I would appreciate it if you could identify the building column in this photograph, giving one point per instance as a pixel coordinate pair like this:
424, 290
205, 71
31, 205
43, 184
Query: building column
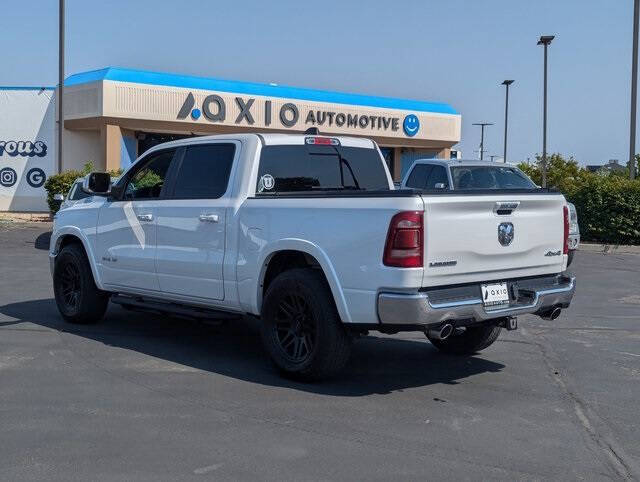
111, 137
445, 153
397, 163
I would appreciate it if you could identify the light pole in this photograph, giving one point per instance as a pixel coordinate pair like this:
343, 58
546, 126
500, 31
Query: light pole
506, 83
546, 41
634, 92
482, 125
60, 81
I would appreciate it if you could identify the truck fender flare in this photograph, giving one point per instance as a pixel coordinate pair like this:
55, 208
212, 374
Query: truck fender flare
77, 233
304, 246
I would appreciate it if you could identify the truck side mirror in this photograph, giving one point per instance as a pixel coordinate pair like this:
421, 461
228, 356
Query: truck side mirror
97, 183
58, 197
440, 185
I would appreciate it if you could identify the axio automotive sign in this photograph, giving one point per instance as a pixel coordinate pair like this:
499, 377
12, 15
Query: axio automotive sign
203, 110
291, 115
27, 136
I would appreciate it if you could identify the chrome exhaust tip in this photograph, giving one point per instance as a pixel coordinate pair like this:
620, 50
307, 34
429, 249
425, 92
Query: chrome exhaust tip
441, 333
551, 314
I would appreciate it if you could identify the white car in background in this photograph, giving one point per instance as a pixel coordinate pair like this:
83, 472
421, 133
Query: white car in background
75, 194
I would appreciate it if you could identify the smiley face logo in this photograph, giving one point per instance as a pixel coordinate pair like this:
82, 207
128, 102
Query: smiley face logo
411, 125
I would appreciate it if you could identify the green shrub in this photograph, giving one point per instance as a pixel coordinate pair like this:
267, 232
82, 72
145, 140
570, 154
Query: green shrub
608, 205
62, 183
608, 209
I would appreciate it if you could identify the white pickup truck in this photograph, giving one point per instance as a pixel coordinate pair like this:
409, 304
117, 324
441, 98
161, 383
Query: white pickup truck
308, 233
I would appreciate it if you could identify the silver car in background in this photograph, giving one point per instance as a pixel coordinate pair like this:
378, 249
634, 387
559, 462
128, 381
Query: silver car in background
461, 174
574, 232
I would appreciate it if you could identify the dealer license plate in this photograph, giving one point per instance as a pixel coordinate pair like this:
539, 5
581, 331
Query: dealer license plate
495, 294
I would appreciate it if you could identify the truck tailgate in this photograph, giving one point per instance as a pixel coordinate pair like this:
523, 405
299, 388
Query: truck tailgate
462, 242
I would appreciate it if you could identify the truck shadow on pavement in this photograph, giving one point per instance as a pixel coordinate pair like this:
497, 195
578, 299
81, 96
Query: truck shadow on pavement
42, 241
378, 365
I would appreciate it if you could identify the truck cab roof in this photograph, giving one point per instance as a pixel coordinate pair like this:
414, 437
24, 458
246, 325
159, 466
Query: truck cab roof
267, 140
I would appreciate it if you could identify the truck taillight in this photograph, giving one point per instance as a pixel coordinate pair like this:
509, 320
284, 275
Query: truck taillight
565, 248
405, 241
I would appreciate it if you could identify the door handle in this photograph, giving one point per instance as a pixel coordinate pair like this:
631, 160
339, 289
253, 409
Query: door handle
209, 218
145, 217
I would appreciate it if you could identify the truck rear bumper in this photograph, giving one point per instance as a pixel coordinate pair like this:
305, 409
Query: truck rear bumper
464, 303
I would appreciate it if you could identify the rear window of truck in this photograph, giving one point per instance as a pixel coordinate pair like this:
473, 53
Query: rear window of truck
489, 177
296, 168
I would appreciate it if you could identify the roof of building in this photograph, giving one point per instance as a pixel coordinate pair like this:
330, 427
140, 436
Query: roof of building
20, 87
252, 88
612, 165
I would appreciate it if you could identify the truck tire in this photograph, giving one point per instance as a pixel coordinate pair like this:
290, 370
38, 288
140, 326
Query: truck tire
77, 297
301, 329
471, 341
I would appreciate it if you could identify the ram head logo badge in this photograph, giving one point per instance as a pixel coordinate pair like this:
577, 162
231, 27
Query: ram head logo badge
505, 233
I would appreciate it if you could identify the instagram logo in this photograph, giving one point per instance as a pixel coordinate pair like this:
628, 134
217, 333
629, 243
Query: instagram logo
8, 177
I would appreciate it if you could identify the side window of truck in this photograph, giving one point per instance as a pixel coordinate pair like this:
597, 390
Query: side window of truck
418, 177
147, 182
204, 171
438, 176
307, 168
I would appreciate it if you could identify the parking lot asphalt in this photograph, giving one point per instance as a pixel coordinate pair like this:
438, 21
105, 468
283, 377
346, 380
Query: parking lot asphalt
146, 397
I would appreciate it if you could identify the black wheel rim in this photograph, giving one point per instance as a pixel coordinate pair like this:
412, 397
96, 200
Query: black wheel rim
295, 329
70, 285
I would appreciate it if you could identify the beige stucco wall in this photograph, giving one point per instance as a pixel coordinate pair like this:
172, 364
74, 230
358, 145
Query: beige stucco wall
111, 139
83, 101
81, 147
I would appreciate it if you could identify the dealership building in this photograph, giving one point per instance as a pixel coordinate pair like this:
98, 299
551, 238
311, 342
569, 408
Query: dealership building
113, 115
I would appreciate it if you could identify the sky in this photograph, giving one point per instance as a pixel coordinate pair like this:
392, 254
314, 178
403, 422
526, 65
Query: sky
453, 51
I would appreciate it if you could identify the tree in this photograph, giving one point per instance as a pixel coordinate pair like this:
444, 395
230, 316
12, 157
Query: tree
562, 174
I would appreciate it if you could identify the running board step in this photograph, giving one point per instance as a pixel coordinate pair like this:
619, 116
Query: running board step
158, 306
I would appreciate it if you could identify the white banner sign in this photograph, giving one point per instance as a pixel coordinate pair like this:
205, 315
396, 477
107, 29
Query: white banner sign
27, 147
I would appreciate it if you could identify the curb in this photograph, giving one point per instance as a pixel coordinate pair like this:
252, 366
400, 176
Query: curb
609, 248
13, 217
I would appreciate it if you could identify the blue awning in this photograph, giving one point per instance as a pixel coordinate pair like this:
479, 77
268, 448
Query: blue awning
252, 88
